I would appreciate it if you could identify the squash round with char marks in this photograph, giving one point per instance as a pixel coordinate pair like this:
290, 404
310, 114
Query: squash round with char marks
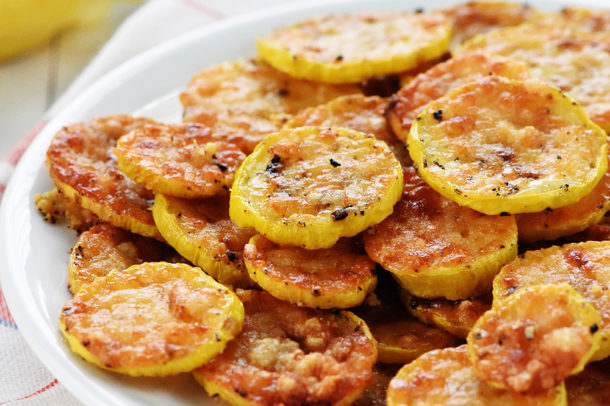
447, 377
584, 266
183, 160
152, 319
83, 167
292, 355
310, 186
534, 339
202, 232
326, 49
247, 99
435, 248
336, 277
504, 146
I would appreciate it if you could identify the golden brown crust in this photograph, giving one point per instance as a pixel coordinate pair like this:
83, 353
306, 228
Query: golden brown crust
184, 160
454, 316
324, 48
358, 112
446, 377
202, 232
247, 99
105, 247
292, 356
428, 234
569, 50
310, 186
428, 86
151, 318
55, 206
80, 157
584, 266
500, 145
336, 277
532, 341
478, 17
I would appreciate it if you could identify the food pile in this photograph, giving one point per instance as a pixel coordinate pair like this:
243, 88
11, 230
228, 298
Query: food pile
388, 208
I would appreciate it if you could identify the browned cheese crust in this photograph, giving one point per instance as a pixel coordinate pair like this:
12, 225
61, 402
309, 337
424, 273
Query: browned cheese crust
205, 235
247, 99
569, 49
534, 343
105, 247
478, 17
55, 207
358, 112
80, 156
446, 377
292, 356
426, 231
584, 266
455, 316
184, 160
506, 145
344, 270
145, 318
409, 101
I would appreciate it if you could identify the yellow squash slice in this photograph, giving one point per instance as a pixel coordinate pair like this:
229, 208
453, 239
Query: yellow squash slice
569, 50
582, 265
533, 340
289, 355
152, 319
478, 17
55, 207
446, 377
436, 82
567, 220
357, 112
336, 277
202, 232
454, 316
83, 167
352, 48
503, 146
590, 387
247, 99
183, 160
436, 248
104, 248
310, 186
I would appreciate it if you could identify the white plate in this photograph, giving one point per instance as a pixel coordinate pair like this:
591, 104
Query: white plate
35, 254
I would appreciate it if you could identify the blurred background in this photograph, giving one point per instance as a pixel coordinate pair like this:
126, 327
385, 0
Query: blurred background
44, 45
